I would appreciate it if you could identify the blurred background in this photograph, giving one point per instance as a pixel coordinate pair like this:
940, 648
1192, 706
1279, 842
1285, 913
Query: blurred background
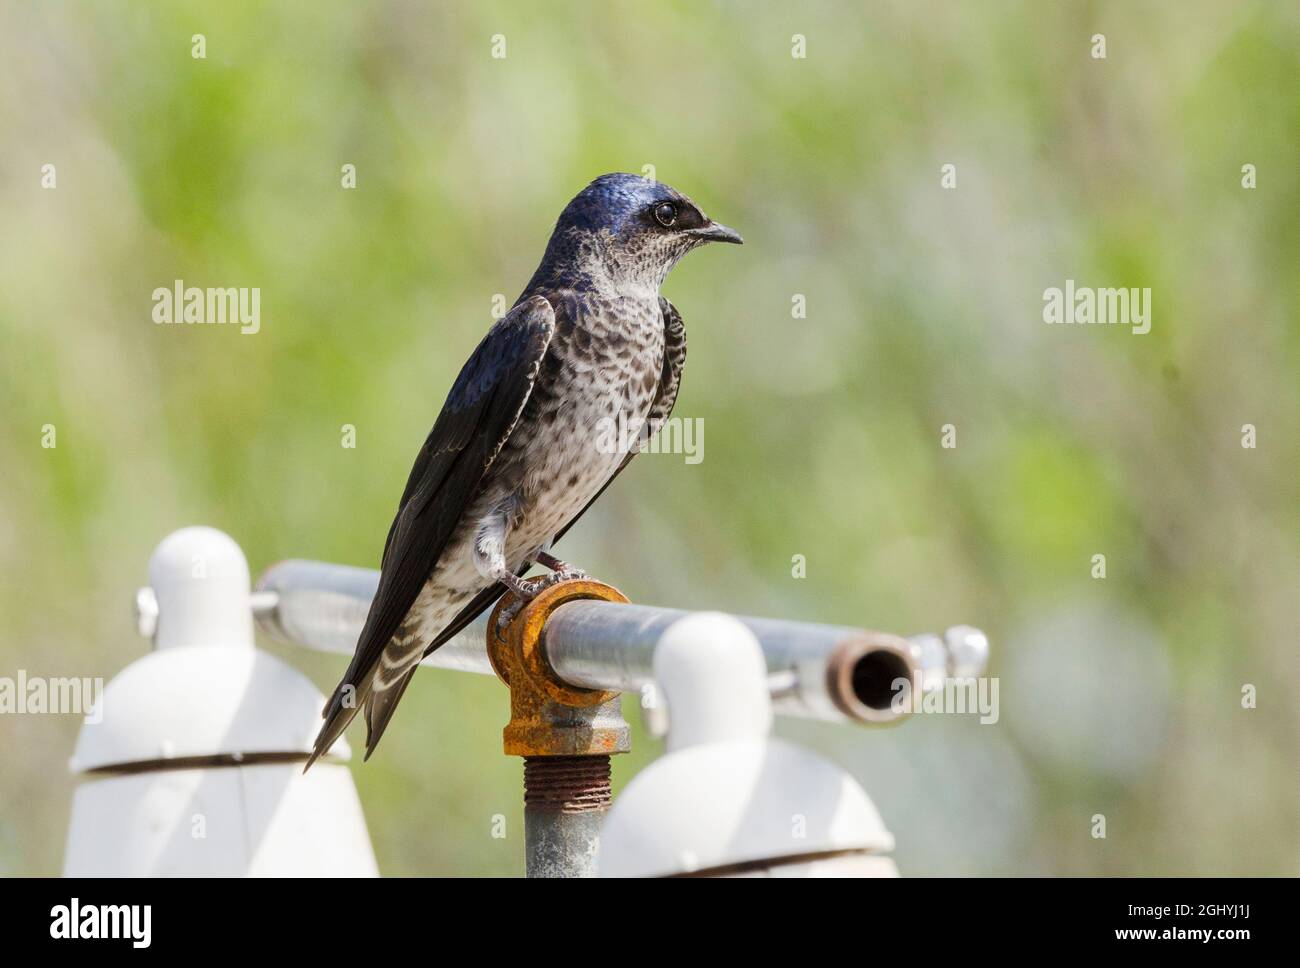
1119, 696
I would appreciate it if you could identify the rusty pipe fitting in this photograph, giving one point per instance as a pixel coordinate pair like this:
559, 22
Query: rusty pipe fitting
548, 717
565, 735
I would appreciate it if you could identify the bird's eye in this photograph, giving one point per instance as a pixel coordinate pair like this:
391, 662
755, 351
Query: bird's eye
666, 214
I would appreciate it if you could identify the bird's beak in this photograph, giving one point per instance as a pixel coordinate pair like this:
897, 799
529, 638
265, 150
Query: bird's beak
717, 232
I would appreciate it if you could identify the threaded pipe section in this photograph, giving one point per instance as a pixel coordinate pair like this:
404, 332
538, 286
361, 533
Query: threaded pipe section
567, 784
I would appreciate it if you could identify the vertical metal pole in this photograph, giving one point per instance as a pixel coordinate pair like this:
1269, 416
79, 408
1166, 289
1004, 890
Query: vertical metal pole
564, 734
565, 801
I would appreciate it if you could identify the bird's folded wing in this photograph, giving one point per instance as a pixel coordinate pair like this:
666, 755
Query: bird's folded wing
481, 410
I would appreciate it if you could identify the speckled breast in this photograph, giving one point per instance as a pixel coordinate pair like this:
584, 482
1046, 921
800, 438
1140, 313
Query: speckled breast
591, 398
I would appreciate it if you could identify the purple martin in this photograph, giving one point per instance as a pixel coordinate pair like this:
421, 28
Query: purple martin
512, 460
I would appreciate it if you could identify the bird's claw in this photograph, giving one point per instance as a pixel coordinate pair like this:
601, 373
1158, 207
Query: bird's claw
566, 574
509, 613
548, 560
530, 588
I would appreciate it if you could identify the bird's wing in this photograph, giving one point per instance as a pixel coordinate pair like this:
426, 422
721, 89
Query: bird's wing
661, 409
481, 411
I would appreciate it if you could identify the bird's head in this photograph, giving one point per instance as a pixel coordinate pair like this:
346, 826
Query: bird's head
630, 230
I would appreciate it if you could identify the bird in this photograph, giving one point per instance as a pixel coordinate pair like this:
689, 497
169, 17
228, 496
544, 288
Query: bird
515, 456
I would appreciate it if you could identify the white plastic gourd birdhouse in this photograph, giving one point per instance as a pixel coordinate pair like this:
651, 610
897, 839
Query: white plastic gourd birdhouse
191, 762
727, 799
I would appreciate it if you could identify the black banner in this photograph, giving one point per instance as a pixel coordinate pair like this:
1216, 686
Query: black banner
216, 917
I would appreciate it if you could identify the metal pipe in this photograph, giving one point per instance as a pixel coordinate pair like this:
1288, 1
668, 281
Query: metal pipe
565, 802
815, 671
820, 671
323, 606
565, 735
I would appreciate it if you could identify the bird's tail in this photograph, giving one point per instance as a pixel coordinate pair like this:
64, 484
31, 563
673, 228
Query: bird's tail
339, 712
380, 706
378, 703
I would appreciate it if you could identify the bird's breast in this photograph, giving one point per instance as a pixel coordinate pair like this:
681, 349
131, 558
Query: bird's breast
586, 411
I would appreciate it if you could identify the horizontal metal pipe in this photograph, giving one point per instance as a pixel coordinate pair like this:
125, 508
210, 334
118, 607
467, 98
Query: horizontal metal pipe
323, 606
604, 645
816, 671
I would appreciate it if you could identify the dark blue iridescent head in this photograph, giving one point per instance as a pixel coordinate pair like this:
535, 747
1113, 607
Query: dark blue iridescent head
625, 228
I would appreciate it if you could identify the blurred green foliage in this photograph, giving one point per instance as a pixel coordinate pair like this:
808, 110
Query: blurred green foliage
1120, 696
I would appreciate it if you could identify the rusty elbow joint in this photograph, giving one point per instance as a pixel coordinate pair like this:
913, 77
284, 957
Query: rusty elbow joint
549, 717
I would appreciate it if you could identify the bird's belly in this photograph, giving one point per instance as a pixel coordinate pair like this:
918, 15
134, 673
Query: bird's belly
568, 460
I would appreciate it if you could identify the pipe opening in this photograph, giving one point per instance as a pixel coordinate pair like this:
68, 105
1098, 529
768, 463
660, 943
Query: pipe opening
861, 675
874, 675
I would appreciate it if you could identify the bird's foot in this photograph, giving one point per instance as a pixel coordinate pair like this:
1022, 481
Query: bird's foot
561, 574
525, 590
523, 593
548, 560
509, 613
